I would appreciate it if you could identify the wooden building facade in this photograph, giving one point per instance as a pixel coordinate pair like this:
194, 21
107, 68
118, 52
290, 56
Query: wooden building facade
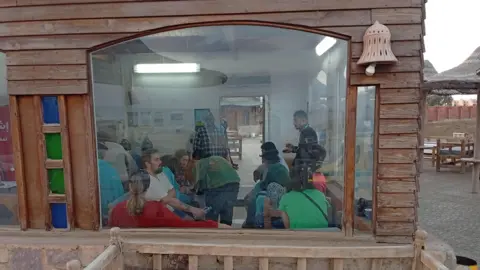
48, 43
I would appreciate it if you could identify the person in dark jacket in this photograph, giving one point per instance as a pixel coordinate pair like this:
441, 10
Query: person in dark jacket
308, 151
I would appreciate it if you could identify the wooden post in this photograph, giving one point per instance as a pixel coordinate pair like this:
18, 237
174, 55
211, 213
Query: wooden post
18, 161
74, 265
419, 244
476, 151
228, 263
115, 236
423, 121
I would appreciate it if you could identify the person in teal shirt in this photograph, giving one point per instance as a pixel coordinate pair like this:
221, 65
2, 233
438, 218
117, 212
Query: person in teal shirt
111, 187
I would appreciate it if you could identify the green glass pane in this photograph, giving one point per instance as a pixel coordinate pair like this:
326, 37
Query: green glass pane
56, 181
53, 143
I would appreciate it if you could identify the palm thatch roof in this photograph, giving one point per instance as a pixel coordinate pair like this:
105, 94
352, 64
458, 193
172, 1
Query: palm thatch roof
461, 79
428, 70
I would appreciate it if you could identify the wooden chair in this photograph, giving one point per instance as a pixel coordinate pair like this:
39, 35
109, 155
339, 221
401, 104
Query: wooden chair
452, 151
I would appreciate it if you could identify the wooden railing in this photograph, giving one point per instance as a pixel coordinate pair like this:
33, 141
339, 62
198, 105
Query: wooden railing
112, 257
431, 263
422, 259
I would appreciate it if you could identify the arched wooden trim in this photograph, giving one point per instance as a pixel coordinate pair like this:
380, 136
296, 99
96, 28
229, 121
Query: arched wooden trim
349, 170
221, 23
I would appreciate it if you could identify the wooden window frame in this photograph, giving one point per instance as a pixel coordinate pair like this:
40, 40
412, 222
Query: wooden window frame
349, 167
350, 132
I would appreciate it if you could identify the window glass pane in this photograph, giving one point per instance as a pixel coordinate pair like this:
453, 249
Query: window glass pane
53, 144
50, 110
8, 187
59, 215
364, 156
207, 98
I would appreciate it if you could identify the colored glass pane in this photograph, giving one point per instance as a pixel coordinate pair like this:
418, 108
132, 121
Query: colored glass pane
56, 181
53, 143
59, 215
50, 110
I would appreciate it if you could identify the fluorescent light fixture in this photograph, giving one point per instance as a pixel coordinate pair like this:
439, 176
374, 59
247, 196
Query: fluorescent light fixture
167, 68
325, 45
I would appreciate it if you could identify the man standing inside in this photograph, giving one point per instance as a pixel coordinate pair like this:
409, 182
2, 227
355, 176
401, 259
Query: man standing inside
308, 151
219, 182
210, 139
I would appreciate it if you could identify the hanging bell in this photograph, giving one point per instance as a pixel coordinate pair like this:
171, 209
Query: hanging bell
376, 48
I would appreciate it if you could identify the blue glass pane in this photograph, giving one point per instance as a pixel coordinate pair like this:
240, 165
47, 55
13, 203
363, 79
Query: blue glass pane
59, 215
50, 110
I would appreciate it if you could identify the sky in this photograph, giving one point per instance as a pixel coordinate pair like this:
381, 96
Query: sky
452, 33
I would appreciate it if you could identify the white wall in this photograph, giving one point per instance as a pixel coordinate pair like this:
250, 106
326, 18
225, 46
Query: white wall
283, 102
109, 102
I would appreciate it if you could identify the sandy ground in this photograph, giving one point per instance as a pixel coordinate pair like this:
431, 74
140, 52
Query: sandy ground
449, 210
448, 127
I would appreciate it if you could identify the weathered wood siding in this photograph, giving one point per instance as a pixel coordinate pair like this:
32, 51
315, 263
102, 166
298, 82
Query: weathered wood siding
46, 43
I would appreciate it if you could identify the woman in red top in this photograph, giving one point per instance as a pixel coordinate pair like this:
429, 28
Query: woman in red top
136, 212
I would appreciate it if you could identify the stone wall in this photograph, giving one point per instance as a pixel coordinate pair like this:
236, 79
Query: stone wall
45, 257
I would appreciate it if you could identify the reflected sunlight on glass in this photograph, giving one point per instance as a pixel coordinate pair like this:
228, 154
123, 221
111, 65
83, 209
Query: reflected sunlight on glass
364, 159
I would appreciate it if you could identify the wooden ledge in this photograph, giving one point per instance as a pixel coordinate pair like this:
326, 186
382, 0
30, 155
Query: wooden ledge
51, 128
57, 198
54, 163
470, 160
259, 249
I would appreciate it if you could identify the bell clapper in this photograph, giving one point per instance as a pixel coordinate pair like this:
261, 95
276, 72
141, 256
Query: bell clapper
370, 70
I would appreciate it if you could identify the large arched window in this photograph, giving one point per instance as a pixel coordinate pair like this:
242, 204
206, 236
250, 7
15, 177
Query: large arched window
217, 94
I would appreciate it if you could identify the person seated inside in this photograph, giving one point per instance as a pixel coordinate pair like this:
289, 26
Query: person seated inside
137, 152
161, 189
183, 159
270, 200
117, 156
273, 172
170, 169
219, 183
137, 212
111, 187
260, 172
302, 207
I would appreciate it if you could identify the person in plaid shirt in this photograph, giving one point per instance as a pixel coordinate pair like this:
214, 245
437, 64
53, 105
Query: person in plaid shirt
211, 140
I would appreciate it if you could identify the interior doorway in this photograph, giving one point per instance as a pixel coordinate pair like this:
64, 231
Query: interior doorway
245, 118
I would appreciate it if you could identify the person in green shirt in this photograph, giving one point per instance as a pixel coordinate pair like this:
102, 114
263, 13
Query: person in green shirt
219, 182
303, 207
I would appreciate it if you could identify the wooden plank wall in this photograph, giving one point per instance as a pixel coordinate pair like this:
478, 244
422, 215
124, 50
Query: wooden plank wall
46, 42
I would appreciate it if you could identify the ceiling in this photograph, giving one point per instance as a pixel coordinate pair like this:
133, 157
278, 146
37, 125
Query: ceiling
231, 49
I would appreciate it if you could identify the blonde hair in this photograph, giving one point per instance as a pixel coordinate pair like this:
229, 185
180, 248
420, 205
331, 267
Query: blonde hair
136, 202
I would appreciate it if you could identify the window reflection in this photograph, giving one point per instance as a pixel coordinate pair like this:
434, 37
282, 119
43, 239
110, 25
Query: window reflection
364, 159
8, 187
240, 126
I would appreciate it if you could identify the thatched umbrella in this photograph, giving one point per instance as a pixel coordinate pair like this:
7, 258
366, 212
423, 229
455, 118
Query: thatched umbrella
461, 79
428, 70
